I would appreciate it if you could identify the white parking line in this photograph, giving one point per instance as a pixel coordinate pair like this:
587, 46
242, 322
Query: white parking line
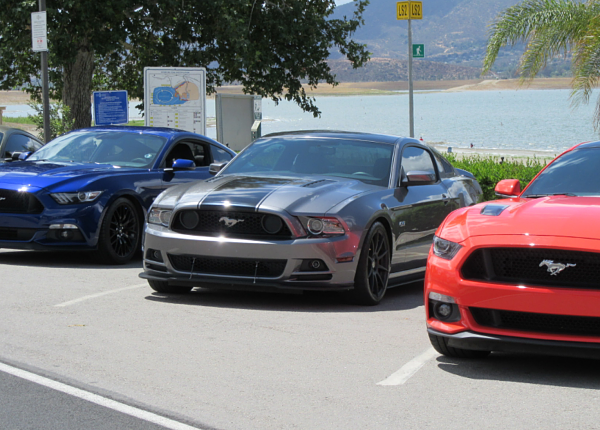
95, 398
409, 369
93, 296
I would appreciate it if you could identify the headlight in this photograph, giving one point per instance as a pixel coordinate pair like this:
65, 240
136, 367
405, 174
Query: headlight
326, 226
159, 216
79, 197
444, 248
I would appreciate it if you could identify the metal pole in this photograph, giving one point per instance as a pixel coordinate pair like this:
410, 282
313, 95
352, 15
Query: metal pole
45, 92
410, 82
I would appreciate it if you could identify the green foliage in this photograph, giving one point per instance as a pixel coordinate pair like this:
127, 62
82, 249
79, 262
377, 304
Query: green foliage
18, 120
551, 28
490, 170
270, 47
61, 120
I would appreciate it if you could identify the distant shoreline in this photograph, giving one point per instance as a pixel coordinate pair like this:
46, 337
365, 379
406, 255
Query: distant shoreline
376, 88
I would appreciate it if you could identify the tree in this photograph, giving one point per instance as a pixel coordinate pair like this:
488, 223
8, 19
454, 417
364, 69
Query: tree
268, 46
550, 28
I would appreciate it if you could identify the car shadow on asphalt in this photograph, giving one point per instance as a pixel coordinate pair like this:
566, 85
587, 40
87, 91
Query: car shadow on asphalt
405, 297
62, 259
527, 368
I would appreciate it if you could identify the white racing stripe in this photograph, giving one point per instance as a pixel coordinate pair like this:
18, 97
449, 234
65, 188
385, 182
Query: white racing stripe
409, 369
93, 296
99, 400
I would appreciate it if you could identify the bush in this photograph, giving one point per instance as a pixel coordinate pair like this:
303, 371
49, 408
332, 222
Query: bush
61, 120
490, 170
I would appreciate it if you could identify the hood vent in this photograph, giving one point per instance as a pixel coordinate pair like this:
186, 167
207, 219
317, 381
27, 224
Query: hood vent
493, 210
318, 183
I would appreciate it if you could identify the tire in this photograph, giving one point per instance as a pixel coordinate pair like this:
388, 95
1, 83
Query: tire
120, 233
440, 344
372, 273
164, 287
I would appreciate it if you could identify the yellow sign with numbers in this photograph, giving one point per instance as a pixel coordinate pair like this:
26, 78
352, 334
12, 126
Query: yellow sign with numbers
409, 10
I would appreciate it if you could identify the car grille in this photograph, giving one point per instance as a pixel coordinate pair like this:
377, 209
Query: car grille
228, 266
19, 202
231, 224
526, 266
21, 234
533, 322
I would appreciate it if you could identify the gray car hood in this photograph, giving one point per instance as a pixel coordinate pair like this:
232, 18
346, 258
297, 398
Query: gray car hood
310, 195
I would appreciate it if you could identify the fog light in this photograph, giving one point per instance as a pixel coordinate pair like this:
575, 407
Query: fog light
444, 310
157, 256
315, 264
66, 234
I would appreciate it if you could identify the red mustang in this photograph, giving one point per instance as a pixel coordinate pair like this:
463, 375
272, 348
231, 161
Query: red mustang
522, 274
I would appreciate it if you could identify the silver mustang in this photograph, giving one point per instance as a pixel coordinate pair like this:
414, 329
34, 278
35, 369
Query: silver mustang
307, 211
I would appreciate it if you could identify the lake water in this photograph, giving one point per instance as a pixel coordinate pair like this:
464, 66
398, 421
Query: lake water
522, 119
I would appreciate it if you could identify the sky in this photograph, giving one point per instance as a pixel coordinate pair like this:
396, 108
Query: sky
339, 2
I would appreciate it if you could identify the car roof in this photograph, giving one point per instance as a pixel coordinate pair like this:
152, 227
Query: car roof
6, 130
160, 131
589, 145
336, 134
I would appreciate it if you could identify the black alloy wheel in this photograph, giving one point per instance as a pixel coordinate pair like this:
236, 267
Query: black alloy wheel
371, 280
120, 233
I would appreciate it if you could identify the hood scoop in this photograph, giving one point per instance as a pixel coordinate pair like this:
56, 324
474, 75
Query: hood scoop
318, 183
493, 210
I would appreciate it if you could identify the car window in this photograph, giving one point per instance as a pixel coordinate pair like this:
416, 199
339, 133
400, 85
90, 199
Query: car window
123, 149
195, 151
365, 161
576, 172
445, 168
220, 155
416, 159
20, 143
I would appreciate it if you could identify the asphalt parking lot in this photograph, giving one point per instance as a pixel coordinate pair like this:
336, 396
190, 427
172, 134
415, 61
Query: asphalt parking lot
237, 360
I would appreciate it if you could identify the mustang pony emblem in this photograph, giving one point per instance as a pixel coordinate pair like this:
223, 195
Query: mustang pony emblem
555, 268
230, 222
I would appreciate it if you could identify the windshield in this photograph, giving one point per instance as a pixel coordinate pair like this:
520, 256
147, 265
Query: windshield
575, 173
118, 148
368, 162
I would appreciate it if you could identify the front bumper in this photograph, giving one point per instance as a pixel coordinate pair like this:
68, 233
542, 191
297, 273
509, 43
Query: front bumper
488, 342
336, 275
444, 277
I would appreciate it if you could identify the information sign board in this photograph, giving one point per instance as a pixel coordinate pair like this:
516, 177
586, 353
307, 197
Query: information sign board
111, 107
39, 34
409, 10
418, 50
175, 97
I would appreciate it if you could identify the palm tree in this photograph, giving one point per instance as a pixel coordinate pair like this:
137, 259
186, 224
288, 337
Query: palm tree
550, 28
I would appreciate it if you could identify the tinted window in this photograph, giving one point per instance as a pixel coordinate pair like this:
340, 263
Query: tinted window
416, 159
444, 166
220, 155
576, 172
103, 147
20, 143
368, 162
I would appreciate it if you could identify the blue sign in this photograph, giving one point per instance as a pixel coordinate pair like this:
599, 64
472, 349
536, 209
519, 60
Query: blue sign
111, 107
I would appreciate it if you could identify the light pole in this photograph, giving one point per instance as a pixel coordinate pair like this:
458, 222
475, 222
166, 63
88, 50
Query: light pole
45, 92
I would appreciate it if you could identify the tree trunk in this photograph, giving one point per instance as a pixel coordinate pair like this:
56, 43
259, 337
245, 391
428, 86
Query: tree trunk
77, 91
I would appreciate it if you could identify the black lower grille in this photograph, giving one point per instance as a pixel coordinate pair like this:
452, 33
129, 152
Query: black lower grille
534, 266
12, 201
534, 322
228, 266
21, 234
230, 224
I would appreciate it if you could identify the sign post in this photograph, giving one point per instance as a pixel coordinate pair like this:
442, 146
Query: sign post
39, 40
409, 10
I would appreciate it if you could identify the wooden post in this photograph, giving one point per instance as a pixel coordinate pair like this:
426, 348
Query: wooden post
1, 109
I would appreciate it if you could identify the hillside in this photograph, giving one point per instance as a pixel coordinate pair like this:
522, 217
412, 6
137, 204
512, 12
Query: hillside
452, 30
390, 69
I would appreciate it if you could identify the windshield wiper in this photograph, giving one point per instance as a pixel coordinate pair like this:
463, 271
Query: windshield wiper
537, 196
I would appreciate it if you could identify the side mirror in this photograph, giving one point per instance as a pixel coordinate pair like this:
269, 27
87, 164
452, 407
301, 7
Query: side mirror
216, 167
21, 156
508, 188
419, 177
182, 164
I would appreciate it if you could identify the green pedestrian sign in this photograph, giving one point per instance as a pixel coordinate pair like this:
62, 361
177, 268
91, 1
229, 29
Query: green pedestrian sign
418, 50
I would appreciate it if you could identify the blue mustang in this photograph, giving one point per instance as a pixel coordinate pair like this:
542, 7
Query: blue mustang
90, 189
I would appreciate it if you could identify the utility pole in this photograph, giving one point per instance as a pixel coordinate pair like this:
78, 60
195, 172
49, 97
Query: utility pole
45, 91
409, 10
